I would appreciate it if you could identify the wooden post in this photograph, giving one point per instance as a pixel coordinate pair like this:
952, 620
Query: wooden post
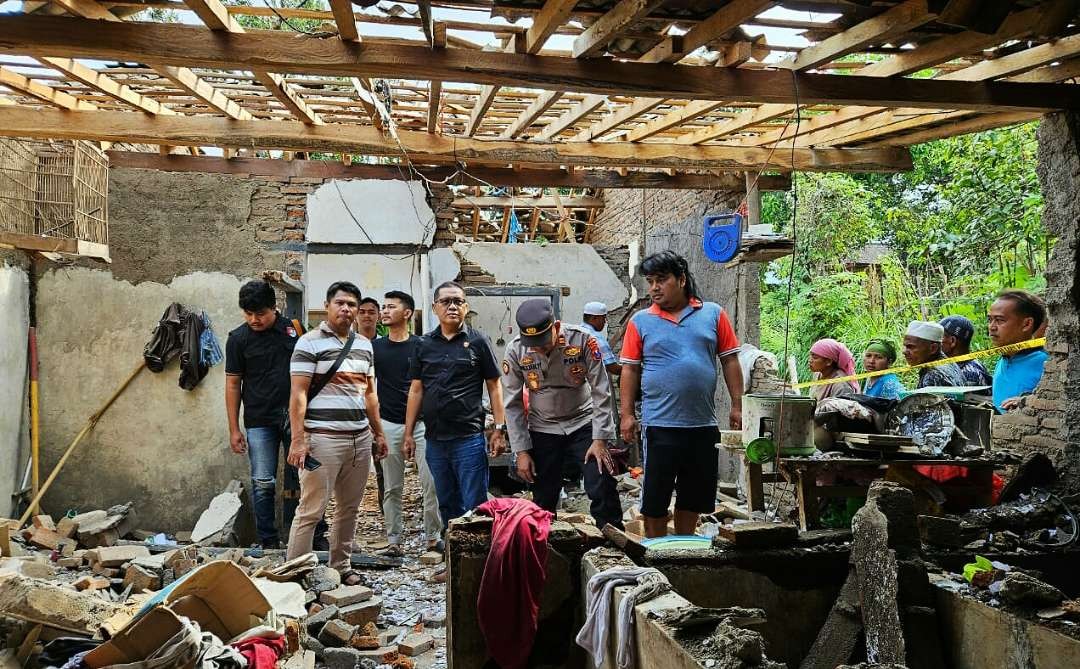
806, 482
505, 224
475, 223
534, 223
753, 201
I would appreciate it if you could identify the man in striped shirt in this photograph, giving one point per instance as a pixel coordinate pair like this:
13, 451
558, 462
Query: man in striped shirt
341, 428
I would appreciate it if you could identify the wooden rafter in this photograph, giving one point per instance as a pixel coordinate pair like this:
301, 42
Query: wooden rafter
726, 19
188, 45
98, 81
36, 89
217, 18
619, 18
551, 16
182, 77
582, 109
292, 136
940, 50
346, 22
545, 202
438, 41
541, 104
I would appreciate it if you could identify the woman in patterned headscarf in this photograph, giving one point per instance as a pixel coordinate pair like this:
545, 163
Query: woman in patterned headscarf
880, 354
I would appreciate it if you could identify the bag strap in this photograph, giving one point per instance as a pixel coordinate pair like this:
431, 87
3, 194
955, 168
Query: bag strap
316, 387
296, 326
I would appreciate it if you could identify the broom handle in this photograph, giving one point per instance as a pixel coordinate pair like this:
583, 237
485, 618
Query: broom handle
90, 423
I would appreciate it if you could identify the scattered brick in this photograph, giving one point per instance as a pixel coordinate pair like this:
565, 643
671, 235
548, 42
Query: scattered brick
415, 644
92, 583
362, 613
431, 558
336, 633
346, 595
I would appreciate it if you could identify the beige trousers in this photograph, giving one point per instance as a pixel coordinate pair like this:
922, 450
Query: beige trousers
346, 462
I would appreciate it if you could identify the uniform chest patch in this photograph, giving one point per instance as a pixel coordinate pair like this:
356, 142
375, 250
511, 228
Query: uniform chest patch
533, 380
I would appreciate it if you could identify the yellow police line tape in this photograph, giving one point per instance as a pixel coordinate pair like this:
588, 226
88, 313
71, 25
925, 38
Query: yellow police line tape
1000, 350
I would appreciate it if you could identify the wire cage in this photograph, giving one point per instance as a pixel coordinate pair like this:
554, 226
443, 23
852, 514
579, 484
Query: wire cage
54, 189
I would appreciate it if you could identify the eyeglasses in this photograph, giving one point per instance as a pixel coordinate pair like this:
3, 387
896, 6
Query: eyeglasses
447, 301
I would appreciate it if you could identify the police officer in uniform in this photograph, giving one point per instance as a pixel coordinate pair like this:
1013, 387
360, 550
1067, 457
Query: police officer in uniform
570, 409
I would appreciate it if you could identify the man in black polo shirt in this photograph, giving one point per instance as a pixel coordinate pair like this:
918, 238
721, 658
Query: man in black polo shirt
449, 370
257, 358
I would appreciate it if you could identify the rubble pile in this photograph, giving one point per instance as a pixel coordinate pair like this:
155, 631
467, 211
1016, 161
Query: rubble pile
95, 578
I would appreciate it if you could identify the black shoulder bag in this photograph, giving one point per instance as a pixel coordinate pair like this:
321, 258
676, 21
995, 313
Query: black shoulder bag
316, 387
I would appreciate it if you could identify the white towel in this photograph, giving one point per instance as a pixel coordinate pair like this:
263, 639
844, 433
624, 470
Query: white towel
594, 633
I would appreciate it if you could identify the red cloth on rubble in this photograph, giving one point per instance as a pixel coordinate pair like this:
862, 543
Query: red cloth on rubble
514, 576
261, 652
941, 473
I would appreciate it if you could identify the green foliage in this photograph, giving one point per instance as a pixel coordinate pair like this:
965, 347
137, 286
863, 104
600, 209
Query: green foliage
963, 225
275, 22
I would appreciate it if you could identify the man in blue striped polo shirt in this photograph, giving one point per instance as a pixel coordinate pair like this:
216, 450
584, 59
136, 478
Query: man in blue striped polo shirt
669, 353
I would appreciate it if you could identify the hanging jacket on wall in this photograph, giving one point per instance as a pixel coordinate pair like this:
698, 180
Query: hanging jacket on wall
164, 344
185, 333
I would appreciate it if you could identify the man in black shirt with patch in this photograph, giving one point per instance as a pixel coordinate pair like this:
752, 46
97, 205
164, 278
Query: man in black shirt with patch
393, 354
452, 365
257, 358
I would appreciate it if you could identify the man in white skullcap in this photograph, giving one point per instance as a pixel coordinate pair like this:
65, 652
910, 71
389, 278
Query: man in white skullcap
922, 343
594, 321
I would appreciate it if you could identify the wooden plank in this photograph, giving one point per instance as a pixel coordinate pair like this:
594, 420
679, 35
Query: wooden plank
587, 106
726, 19
346, 22
548, 202
541, 104
43, 92
551, 16
505, 224
36, 243
611, 25
371, 104
177, 44
98, 81
435, 85
483, 103
896, 21
497, 176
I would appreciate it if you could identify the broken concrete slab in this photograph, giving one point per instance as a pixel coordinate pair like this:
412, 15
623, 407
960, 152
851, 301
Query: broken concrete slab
315, 621
431, 558
342, 658
53, 605
941, 531
92, 583
345, 595
115, 556
759, 534
1020, 589
215, 525
416, 644
141, 579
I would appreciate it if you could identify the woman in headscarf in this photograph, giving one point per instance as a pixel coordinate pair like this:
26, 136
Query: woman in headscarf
881, 354
829, 359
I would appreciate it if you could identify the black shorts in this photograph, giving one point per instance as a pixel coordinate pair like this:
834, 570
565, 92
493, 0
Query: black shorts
683, 460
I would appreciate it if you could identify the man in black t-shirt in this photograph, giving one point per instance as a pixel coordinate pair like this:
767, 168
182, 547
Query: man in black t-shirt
393, 354
257, 358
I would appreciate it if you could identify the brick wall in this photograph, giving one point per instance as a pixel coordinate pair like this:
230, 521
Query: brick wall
620, 221
1050, 419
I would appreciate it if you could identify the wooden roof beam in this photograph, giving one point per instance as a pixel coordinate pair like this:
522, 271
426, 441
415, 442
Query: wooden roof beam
532, 177
435, 85
115, 126
858, 123
98, 81
550, 202
553, 14
346, 22
611, 25
627, 113
726, 19
191, 46
530, 114
937, 51
36, 89
582, 109
216, 17
674, 118
181, 77
978, 123
896, 21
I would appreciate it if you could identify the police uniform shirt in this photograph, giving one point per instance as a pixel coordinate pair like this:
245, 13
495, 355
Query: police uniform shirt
568, 388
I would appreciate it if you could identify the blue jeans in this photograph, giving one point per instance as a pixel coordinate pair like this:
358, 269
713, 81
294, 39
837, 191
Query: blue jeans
460, 470
263, 449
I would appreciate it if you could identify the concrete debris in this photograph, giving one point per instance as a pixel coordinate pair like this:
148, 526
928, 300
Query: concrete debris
54, 605
841, 632
336, 634
345, 595
759, 535
1020, 589
875, 566
215, 525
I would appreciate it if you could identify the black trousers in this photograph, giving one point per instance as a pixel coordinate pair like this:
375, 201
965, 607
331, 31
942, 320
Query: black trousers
550, 452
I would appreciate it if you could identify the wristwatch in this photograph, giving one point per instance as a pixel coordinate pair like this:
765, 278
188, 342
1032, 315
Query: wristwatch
501, 427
